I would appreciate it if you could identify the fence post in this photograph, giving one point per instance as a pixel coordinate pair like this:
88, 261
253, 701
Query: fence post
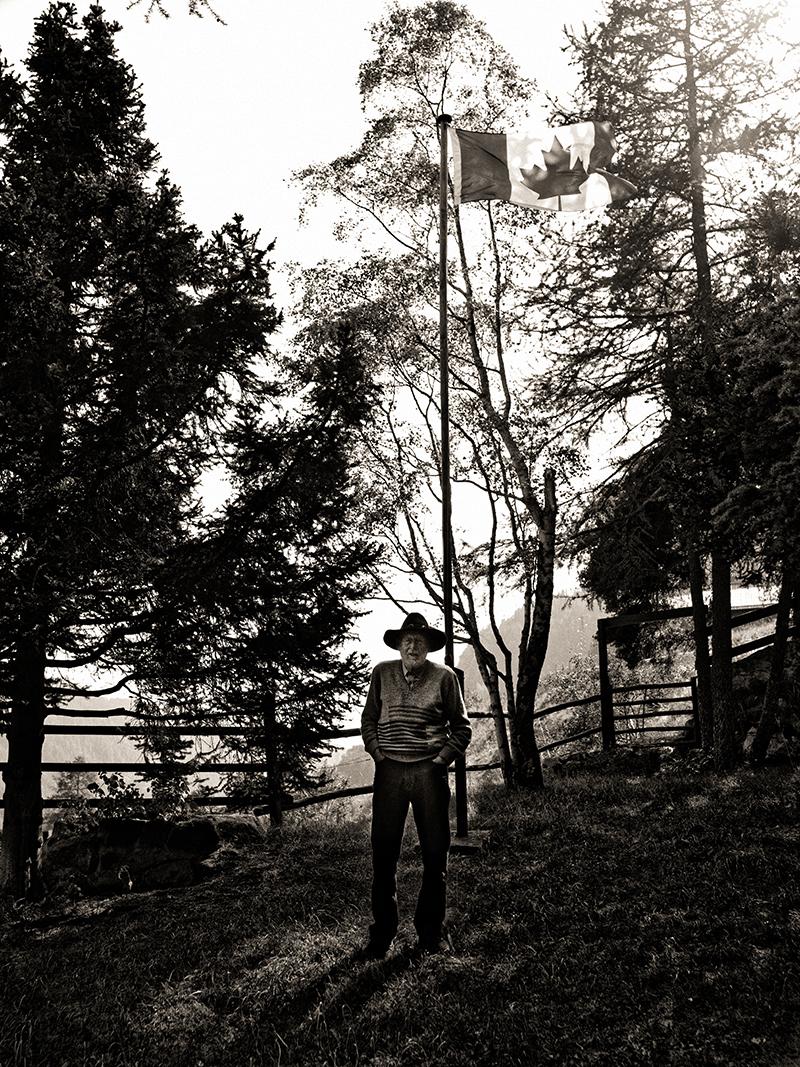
462, 829
696, 713
271, 753
606, 692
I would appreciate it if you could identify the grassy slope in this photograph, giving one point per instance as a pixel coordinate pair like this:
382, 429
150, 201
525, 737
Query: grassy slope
611, 921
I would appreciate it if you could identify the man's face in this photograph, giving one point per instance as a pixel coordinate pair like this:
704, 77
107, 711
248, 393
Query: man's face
413, 650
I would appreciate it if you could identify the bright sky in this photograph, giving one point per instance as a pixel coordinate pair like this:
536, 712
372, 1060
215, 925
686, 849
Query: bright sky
235, 109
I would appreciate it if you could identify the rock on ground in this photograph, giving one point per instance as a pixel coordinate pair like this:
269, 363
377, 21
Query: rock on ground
123, 854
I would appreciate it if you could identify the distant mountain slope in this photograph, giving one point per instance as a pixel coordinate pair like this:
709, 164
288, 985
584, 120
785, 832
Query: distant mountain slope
352, 764
572, 632
61, 748
573, 626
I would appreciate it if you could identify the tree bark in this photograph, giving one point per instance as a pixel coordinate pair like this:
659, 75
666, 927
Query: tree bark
795, 648
503, 745
524, 750
488, 672
768, 719
528, 763
19, 856
702, 662
699, 231
723, 741
725, 749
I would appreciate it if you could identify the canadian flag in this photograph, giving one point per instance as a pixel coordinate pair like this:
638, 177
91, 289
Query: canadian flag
560, 169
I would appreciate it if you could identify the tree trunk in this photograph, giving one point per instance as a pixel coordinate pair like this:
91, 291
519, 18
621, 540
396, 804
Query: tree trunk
795, 663
19, 857
768, 720
702, 662
487, 667
725, 754
501, 739
528, 763
723, 741
699, 231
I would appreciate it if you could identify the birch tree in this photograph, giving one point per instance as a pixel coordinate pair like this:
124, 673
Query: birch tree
426, 60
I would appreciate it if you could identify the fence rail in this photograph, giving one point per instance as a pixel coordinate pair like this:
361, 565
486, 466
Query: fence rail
583, 702
759, 642
245, 731
648, 703
645, 715
609, 727
651, 685
173, 768
218, 801
173, 731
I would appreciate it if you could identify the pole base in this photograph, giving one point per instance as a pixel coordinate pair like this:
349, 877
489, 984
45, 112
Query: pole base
470, 843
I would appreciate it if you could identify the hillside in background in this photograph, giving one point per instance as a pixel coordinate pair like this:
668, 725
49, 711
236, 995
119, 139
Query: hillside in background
90, 749
573, 626
572, 633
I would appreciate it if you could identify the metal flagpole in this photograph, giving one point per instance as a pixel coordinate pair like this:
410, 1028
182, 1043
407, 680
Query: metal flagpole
443, 122
444, 385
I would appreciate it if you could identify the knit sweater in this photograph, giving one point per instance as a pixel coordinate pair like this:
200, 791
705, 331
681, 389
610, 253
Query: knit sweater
417, 719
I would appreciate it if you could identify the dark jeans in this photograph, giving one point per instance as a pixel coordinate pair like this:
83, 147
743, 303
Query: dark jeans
424, 786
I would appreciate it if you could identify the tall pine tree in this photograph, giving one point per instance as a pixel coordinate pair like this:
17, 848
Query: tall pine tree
701, 91
125, 338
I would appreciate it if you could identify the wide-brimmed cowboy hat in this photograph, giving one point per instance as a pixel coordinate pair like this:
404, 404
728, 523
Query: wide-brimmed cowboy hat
415, 624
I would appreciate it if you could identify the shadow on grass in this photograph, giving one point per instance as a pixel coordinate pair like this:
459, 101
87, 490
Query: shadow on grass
344, 988
614, 922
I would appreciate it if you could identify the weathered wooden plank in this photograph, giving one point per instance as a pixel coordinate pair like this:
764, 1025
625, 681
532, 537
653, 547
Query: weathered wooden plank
657, 700
650, 685
568, 740
584, 702
178, 768
173, 731
748, 615
616, 621
337, 794
96, 802
650, 715
759, 642
653, 729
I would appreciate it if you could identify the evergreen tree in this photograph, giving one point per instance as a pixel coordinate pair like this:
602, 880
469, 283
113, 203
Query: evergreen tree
73, 786
283, 564
125, 340
759, 418
701, 90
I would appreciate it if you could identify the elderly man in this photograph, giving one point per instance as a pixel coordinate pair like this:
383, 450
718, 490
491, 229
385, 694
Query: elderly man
414, 725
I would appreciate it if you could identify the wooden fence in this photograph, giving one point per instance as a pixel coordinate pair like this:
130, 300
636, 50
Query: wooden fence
610, 726
742, 616
132, 730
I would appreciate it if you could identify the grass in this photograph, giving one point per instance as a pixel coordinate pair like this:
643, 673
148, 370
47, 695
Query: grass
610, 921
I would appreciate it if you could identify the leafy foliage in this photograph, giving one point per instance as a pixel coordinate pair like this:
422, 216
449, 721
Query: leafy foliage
427, 60
655, 291
665, 292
